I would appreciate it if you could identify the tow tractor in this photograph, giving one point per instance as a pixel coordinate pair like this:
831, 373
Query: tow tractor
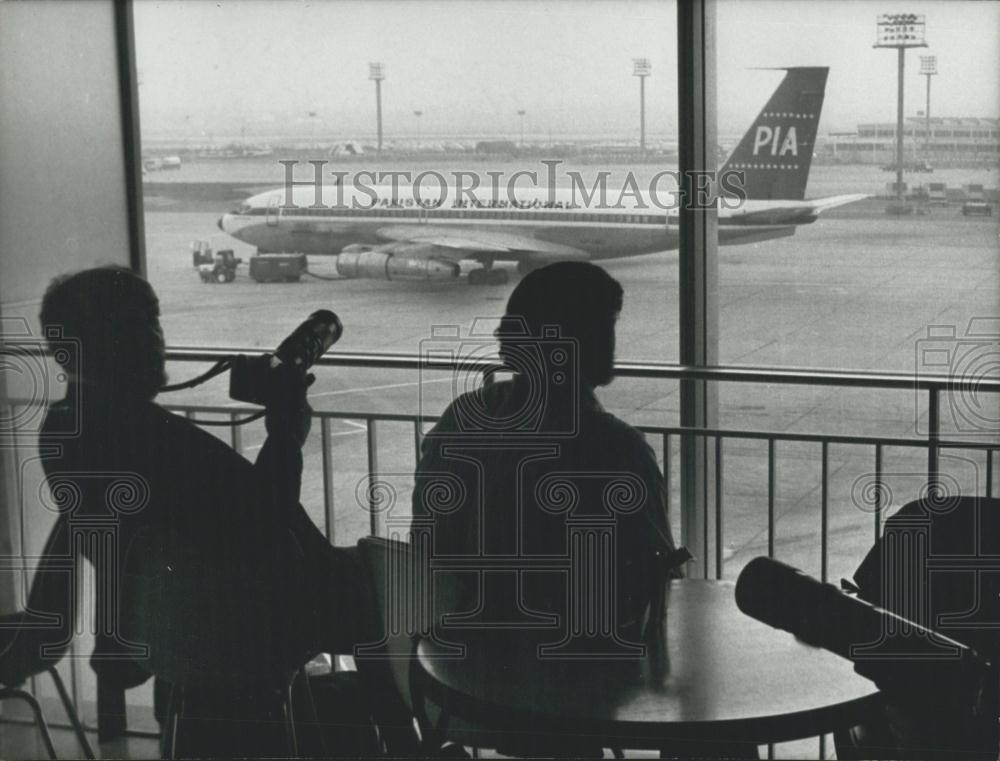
214, 267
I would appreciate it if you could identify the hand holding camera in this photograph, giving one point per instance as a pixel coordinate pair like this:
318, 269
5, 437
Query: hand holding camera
279, 381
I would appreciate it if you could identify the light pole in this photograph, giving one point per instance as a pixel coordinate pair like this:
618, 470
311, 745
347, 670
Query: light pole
376, 72
642, 68
520, 113
900, 31
928, 67
418, 113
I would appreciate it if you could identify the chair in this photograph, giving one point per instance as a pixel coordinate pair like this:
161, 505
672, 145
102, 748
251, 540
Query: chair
217, 639
11, 690
33, 641
896, 575
394, 571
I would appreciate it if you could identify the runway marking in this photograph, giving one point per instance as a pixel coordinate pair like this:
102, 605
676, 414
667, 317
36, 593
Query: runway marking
358, 428
377, 388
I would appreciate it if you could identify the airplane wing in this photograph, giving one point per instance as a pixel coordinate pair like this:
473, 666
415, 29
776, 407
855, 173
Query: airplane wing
789, 212
831, 202
476, 243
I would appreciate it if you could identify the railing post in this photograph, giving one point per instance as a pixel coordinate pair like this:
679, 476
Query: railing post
698, 264
235, 434
772, 485
878, 492
372, 477
933, 437
989, 472
719, 487
329, 518
824, 511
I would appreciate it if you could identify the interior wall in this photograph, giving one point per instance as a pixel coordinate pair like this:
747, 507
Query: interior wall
63, 207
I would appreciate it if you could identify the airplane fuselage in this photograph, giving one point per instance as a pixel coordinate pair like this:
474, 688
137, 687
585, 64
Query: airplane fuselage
554, 222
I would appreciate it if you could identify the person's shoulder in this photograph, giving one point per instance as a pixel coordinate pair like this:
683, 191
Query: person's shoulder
173, 424
617, 432
476, 405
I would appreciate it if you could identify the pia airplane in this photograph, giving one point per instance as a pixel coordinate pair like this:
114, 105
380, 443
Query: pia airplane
400, 237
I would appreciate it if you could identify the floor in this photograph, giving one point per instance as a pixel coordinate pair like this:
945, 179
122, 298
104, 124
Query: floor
22, 741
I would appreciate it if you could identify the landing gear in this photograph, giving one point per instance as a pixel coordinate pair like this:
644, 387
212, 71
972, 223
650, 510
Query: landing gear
488, 276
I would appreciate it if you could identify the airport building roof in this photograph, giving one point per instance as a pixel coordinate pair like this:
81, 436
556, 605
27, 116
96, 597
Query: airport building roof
938, 121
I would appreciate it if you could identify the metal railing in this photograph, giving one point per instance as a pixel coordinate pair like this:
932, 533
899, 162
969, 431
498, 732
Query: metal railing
933, 442
712, 543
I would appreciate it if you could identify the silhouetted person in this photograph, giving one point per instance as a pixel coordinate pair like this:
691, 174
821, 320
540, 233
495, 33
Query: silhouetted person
912, 571
194, 501
518, 467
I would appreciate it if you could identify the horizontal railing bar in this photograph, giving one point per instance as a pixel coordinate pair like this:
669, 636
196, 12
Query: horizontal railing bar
633, 369
390, 417
833, 438
399, 417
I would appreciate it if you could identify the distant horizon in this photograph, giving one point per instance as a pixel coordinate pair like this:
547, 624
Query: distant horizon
227, 137
500, 69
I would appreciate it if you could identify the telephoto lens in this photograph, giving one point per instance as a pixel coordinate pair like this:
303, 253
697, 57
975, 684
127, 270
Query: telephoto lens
902, 657
311, 339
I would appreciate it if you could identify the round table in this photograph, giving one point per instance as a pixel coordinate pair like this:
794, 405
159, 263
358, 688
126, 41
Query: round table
725, 678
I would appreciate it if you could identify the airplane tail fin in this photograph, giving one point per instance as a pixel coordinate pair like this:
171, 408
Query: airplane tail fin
776, 151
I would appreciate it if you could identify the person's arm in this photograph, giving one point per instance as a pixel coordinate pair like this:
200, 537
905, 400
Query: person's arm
288, 420
654, 511
431, 461
438, 474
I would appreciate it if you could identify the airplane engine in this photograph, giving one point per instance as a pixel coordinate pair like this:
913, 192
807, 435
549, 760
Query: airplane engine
379, 265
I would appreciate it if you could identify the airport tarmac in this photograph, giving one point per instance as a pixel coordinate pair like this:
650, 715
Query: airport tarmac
855, 290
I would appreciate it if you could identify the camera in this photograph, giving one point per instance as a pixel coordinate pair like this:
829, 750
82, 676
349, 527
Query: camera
545, 399
254, 379
967, 359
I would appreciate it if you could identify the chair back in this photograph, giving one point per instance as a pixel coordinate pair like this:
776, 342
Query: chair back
401, 610
36, 638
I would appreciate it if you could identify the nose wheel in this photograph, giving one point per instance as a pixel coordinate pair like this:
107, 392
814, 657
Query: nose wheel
488, 276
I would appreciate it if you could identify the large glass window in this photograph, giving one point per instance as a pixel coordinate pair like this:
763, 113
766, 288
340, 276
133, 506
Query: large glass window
875, 284
578, 98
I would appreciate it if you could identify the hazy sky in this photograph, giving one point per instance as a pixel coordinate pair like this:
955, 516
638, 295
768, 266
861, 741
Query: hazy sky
469, 65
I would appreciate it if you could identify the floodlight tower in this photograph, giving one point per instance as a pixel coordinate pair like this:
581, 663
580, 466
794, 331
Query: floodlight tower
928, 68
376, 73
900, 31
642, 68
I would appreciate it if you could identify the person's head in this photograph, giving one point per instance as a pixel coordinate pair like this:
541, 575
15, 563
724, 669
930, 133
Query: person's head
581, 300
115, 316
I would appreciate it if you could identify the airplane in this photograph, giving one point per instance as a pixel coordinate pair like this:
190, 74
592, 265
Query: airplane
401, 238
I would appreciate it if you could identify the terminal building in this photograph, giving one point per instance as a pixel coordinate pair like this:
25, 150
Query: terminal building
953, 141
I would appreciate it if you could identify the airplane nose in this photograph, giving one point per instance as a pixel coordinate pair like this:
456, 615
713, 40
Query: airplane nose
219, 223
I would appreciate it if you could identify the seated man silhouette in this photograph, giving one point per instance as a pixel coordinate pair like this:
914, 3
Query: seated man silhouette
192, 499
534, 469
